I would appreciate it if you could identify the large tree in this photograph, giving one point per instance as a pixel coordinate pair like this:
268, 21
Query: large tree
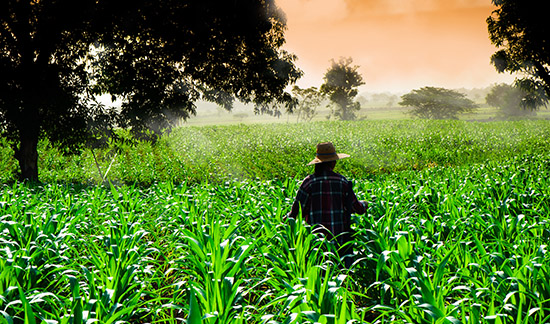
340, 85
437, 103
154, 57
520, 29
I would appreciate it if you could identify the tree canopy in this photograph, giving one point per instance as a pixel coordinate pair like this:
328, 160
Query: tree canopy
155, 57
437, 103
340, 85
521, 31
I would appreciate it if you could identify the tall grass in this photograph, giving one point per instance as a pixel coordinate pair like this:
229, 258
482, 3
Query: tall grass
441, 245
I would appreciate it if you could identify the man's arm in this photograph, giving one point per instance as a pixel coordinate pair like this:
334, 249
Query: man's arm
301, 200
295, 209
358, 207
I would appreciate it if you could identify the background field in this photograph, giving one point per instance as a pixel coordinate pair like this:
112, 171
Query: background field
193, 228
374, 106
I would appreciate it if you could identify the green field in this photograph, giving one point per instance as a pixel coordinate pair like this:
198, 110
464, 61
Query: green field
192, 228
268, 151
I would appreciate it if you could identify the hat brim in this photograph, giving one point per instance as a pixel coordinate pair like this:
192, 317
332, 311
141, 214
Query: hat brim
335, 157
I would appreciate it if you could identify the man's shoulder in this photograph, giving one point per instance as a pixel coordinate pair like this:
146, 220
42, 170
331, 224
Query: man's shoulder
308, 180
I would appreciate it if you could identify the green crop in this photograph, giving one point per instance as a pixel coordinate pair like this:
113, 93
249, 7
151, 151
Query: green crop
442, 245
193, 228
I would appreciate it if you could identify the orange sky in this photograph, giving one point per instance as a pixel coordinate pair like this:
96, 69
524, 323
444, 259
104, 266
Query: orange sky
399, 45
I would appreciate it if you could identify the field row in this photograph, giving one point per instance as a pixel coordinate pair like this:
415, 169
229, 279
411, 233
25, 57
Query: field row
442, 245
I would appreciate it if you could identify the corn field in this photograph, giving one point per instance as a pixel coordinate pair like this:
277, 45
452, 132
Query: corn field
442, 245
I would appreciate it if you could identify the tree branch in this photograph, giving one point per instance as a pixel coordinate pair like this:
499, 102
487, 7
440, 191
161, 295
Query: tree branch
543, 73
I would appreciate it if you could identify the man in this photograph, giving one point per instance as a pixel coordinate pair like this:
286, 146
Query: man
327, 200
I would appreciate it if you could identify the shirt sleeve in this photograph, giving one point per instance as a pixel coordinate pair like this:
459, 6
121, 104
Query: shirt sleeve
301, 200
356, 206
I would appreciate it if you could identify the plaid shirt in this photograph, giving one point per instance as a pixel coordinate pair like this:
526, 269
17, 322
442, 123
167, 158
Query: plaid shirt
328, 200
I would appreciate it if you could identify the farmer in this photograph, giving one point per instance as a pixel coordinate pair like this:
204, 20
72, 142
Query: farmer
327, 199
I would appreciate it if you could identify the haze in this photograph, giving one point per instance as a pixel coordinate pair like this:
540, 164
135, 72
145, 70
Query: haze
399, 45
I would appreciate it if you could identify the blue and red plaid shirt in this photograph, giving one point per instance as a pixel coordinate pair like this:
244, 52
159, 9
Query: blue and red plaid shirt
328, 199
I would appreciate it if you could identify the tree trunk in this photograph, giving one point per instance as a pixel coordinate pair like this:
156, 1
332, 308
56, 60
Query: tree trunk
27, 155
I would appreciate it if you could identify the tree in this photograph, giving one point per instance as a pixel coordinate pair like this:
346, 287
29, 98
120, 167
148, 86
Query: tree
437, 103
520, 28
156, 57
340, 85
509, 100
308, 101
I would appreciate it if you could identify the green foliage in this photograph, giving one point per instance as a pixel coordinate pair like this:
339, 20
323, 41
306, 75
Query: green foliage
340, 85
519, 29
437, 103
442, 245
459, 236
8, 165
452, 255
220, 153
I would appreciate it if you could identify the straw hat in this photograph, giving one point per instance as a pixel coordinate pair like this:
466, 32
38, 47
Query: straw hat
326, 153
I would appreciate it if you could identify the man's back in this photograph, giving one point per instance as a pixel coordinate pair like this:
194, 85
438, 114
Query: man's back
327, 199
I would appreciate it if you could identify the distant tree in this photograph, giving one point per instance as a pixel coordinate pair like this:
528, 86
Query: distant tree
385, 98
437, 103
240, 116
508, 99
155, 57
340, 85
521, 29
308, 101
391, 100
363, 102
